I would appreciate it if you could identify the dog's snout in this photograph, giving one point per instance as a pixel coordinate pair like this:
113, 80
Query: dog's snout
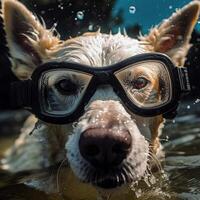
104, 148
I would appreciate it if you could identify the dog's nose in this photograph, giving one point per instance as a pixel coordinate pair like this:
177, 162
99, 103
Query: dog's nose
104, 148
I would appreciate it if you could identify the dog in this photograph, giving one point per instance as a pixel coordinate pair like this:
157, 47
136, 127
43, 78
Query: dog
31, 44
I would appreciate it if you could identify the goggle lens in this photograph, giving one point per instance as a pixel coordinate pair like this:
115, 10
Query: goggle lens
147, 84
61, 90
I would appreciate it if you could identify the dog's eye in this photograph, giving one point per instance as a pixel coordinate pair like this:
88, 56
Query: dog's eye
66, 87
140, 83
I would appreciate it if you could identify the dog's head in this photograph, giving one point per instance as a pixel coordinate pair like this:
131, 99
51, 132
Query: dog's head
109, 146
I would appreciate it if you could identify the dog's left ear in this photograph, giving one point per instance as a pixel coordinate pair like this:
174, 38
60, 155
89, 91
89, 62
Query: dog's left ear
173, 35
28, 40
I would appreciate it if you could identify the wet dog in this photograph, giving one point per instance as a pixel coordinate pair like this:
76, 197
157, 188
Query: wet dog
108, 147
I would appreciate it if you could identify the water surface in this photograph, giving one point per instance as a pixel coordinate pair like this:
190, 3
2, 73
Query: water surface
181, 142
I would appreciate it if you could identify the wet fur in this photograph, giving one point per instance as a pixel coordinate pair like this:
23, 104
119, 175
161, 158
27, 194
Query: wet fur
49, 144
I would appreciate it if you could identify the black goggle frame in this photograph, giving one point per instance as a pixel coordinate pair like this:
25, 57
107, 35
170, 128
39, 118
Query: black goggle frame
25, 94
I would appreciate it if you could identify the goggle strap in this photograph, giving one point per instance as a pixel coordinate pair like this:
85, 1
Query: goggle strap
184, 79
171, 114
20, 94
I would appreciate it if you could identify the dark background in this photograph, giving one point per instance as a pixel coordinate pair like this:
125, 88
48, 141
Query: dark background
107, 14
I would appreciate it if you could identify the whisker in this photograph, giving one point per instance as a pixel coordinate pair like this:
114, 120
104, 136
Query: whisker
156, 161
147, 139
58, 172
125, 175
129, 171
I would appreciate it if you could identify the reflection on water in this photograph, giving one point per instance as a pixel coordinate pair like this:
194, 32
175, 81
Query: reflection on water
181, 139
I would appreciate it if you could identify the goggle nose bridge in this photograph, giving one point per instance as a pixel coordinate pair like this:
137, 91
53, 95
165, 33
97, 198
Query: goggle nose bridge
103, 77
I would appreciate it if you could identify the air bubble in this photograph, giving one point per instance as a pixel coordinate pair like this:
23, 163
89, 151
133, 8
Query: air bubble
80, 15
132, 9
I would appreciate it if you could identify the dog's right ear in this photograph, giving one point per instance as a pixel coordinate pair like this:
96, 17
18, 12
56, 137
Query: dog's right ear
173, 35
28, 41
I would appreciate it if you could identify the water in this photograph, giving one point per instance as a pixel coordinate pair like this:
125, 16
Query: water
183, 153
181, 139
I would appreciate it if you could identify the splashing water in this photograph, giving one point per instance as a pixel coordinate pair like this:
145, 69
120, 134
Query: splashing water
102, 196
150, 184
132, 9
136, 191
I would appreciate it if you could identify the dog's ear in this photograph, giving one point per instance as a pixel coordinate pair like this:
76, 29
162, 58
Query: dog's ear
28, 41
173, 35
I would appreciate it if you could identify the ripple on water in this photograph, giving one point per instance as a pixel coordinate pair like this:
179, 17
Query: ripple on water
183, 154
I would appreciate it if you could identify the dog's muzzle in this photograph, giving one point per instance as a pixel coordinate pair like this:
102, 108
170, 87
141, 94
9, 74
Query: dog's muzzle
107, 149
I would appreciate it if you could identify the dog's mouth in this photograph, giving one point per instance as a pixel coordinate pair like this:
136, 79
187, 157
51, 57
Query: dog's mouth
110, 178
109, 183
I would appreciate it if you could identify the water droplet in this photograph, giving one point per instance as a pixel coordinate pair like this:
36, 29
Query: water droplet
167, 138
90, 27
60, 6
42, 12
138, 193
74, 125
170, 7
180, 37
80, 15
132, 9
188, 107
197, 101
